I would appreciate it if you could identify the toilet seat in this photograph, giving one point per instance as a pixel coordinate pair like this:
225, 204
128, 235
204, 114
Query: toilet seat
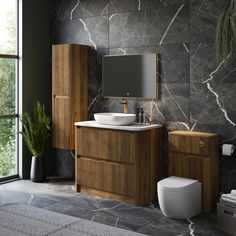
175, 183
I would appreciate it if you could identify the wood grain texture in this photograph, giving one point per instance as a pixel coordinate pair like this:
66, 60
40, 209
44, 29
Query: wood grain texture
192, 143
61, 119
189, 160
108, 195
119, 162
106, 176
70, 82
107, 144
147, 166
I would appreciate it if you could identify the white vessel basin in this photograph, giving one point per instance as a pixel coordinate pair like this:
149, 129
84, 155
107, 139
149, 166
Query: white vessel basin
114, 118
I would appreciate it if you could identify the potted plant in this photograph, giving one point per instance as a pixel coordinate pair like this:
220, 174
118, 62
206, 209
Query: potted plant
226, 32
36, 131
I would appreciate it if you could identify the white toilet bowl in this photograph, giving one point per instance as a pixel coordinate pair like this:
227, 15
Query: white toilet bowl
179, 198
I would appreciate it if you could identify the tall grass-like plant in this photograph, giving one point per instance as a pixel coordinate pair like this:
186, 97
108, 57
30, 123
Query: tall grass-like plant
226, 32
36, 130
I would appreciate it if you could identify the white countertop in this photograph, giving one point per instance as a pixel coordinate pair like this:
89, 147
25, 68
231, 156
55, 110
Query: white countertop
134, 127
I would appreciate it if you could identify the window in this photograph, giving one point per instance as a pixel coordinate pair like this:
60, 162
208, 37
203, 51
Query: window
9, 60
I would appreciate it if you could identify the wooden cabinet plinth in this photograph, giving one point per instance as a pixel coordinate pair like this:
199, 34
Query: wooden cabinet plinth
120, 165
195, 155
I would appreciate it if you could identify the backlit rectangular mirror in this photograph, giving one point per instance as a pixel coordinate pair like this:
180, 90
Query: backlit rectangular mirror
130, 76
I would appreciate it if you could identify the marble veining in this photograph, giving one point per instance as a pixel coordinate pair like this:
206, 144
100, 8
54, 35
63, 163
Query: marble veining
89, 35
123, 51
220, 105
158, 110
111, 16
95, 99
71, 14
175, 101
211, 76
228, 75
108, 208
171, 22
190, 226
139, 5
186, 48
207, 82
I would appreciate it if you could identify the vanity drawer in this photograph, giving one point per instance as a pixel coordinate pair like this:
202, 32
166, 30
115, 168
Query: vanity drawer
106, 176
189, 144
113, 145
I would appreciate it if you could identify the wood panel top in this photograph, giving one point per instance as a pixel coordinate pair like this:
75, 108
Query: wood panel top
192, 133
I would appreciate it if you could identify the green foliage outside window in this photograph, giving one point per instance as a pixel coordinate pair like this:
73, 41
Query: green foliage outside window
7, 105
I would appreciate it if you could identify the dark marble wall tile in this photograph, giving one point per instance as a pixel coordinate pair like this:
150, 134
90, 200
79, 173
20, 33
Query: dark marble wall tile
174, 63
150, 27
97, 103
117, 6
203, 19
203, 66
174, 102
210, 104
91, 31
67, 10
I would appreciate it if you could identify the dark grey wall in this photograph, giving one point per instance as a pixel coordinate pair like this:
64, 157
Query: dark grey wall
195, 93
36, 63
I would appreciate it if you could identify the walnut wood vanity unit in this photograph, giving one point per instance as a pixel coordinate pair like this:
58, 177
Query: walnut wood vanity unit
118, 162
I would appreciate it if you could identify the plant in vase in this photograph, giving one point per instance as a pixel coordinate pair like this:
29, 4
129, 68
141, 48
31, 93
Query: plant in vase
36, 131
226, 32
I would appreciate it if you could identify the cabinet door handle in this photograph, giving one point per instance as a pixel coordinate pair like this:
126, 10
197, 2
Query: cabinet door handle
60, 96
201, 144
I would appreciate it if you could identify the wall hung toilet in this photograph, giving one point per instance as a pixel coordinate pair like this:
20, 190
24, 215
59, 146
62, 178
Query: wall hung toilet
179, 198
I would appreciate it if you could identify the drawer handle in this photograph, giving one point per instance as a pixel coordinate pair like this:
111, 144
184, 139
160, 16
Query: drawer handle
201, 144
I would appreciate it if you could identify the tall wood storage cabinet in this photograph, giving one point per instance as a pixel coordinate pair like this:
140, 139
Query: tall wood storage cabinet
194, 155
69, 92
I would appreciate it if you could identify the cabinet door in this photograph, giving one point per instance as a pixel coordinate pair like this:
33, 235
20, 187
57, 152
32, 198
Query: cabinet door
106, 176
194, 167
61, 70
69, 92
61, 120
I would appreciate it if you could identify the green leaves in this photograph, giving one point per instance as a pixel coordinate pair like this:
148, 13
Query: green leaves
36, 130
226, 32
